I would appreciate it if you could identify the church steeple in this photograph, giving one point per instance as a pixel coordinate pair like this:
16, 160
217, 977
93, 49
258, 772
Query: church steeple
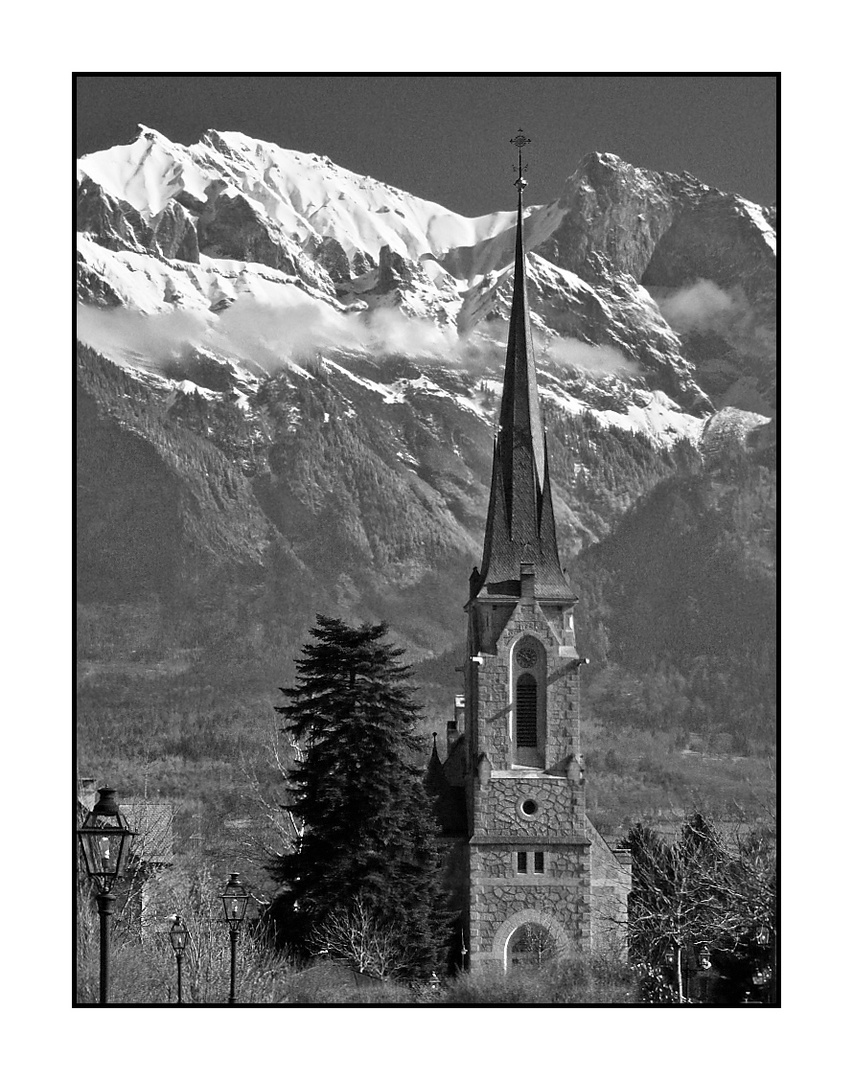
520, 862
520, 526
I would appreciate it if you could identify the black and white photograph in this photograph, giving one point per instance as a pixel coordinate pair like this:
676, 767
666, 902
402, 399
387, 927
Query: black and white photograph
426, 541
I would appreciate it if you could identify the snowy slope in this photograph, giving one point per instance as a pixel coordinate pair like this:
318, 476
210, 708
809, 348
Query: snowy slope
256, 257
309, 196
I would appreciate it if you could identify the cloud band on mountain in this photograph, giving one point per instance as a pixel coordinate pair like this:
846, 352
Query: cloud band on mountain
270, 337
597, 359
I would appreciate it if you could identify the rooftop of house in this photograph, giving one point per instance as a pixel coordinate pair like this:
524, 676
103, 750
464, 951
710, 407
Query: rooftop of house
152, 821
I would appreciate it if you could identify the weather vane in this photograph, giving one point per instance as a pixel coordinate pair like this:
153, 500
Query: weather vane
520, 141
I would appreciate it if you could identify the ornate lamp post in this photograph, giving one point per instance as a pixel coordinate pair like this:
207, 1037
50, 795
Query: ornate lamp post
234, 900
179, 937
105, 842
703, 975
672, 959
766, 938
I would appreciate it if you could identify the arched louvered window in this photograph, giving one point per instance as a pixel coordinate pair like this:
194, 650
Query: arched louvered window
526, 713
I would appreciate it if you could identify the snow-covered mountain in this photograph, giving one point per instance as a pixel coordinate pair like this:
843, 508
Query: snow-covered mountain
271, 311
264, 256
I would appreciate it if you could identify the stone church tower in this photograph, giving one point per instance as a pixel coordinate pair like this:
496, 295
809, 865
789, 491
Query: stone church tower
529, 873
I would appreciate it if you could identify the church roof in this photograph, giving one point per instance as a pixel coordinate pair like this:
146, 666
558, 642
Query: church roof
448, 800
434, 780
520, 525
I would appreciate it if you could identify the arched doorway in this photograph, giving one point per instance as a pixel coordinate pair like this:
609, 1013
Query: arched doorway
530, 945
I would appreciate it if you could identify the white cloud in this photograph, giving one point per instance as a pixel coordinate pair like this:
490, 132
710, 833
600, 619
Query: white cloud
268, 335
593, 358
701, 306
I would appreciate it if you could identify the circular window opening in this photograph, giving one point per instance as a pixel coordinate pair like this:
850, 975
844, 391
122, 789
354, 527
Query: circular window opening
529, 807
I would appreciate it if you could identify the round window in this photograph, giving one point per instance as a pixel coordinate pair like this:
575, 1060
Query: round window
529, 807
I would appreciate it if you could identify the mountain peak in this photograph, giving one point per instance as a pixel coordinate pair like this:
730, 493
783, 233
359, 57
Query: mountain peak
144, 132
276, 228
602, 165
602, 161
604, 157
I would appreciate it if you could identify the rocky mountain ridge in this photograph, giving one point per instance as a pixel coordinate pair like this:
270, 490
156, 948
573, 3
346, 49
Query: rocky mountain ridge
291, 373
196, 230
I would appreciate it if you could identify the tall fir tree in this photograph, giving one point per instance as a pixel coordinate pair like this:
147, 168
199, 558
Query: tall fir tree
369, 836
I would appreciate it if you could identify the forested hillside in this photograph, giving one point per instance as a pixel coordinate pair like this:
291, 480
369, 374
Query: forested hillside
316, 500
678, 605
210, 540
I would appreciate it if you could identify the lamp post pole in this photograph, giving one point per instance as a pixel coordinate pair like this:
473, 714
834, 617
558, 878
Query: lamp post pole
232, 996
105, 843
234, 899
178, 938
106, 903
767, 937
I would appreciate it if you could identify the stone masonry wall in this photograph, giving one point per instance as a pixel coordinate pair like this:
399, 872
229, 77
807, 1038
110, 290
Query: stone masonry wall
495, 637
559, 813
501, 898
498, 893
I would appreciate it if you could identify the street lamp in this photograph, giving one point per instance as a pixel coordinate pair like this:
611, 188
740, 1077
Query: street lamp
766, 939
673, 960
179, 936
105, 841
234, 900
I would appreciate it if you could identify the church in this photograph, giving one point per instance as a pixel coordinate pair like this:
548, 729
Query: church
526, 869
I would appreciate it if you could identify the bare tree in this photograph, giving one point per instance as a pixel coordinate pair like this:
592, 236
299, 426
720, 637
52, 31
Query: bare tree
362, 938
283, 831
697, 896
532, 944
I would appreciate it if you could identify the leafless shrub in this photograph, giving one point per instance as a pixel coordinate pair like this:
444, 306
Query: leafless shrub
364, 939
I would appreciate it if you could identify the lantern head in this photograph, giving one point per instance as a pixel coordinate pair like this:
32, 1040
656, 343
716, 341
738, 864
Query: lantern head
234, 900
105, 840
179, 936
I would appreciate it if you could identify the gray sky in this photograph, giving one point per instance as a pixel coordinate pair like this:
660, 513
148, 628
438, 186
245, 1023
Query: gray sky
446, 138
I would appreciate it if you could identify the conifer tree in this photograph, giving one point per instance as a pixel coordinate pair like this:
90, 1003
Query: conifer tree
369, 834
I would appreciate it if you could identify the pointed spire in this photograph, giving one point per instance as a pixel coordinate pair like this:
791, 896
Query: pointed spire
520, 523
435, 781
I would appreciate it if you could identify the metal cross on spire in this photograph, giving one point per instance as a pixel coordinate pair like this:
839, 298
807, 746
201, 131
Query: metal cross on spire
520, 141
